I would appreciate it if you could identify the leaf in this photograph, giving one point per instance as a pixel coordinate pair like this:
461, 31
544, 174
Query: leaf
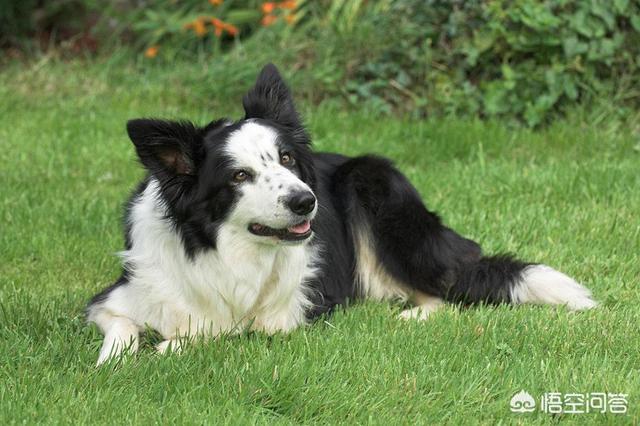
621, 5
243, 16
494, 98
570, 89
604, 13
532, 115
574, 47
471, 54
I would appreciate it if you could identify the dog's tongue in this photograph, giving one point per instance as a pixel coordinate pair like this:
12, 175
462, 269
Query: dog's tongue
301, 228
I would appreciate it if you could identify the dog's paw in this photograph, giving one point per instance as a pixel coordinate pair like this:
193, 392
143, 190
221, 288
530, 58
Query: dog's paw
113, 348
427, 305
419, 313
169, 346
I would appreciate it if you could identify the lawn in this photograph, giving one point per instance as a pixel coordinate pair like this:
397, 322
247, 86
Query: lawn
567, 195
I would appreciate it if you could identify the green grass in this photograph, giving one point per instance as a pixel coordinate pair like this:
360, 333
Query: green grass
568, 196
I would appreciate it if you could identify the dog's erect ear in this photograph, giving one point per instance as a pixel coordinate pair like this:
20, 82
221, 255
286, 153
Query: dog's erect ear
165, 148
270, 99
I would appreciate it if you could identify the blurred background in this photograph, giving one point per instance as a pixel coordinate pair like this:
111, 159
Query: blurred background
525, 61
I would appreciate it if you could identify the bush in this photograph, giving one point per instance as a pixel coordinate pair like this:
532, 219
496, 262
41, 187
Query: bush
524, 59
187, 26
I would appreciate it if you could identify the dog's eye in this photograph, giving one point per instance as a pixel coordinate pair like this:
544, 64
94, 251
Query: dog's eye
240, 176
286, 159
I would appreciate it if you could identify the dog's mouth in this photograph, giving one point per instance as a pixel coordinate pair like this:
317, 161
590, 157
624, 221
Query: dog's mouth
298, 232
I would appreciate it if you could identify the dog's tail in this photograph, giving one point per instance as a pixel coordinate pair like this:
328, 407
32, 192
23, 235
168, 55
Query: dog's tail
503, 279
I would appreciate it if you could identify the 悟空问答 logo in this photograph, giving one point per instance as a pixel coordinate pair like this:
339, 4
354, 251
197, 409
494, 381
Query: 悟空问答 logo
522, 402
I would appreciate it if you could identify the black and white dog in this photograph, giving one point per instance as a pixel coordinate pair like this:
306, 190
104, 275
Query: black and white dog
239, 225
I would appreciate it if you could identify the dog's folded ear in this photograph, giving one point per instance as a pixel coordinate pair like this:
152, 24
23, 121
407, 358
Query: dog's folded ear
271, 99
165, 148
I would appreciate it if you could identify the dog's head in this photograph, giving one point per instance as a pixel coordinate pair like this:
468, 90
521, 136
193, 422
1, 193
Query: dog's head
254, 175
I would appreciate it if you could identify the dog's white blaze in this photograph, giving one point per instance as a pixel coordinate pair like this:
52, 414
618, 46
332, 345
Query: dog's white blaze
225, 290
541, 284
254, 147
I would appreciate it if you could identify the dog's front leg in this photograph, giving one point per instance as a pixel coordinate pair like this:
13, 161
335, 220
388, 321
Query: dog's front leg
120, 335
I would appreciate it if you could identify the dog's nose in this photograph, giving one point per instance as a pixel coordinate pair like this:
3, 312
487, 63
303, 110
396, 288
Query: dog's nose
302, 202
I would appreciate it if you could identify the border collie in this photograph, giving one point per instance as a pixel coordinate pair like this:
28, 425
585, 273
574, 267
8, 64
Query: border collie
239, 225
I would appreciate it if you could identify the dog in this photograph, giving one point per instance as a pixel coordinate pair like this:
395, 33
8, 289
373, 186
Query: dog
240, 225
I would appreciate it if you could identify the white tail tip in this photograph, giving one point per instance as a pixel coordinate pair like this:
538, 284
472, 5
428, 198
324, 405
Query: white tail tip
541, 284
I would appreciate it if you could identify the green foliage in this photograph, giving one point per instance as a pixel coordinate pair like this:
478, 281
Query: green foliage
524, 59
178, 23
181, 28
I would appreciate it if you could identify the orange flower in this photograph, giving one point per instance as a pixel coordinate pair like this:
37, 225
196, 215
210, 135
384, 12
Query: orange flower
151, 52
215, 2
268, 7
232, 30
221, 26
268, 20
199, 27
289, 4
218, 26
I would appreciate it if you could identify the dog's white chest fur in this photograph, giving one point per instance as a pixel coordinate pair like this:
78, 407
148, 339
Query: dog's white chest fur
242, 284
